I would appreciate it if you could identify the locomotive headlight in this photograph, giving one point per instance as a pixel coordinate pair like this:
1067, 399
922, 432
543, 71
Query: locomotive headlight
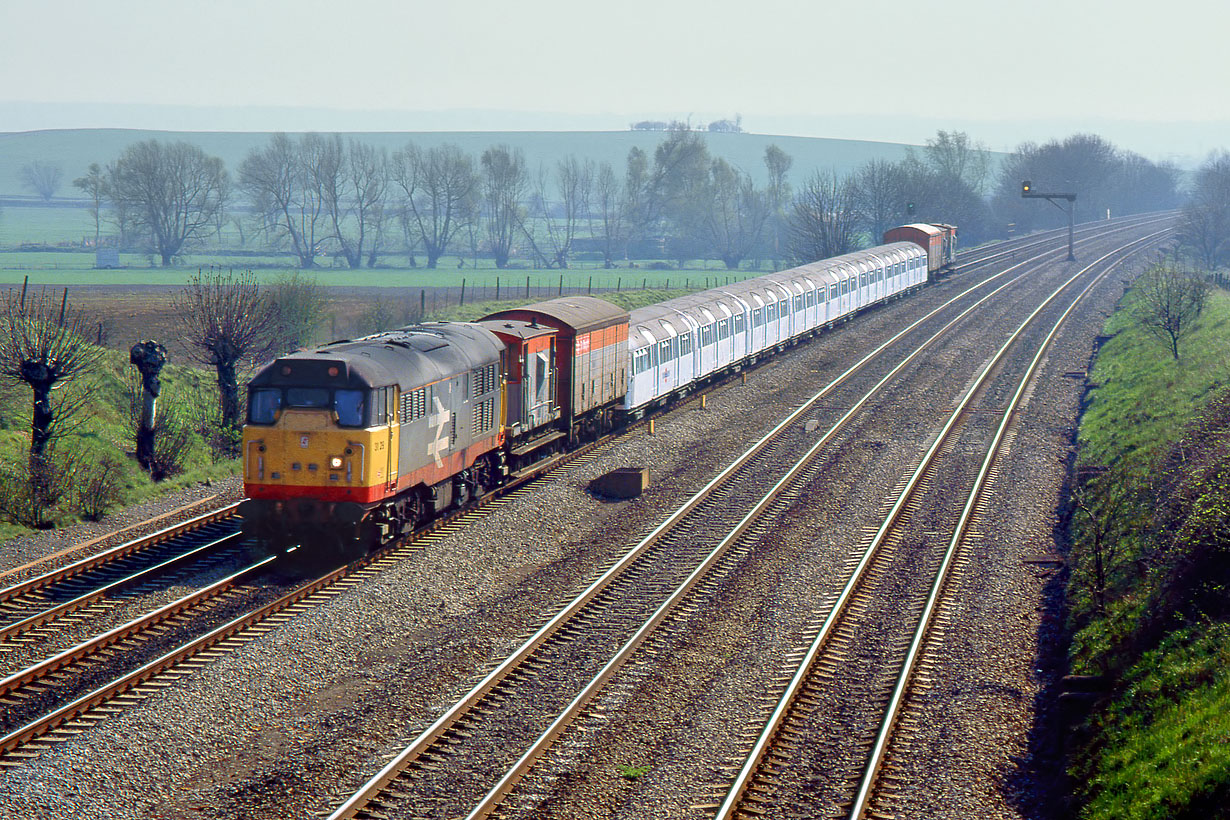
335, 463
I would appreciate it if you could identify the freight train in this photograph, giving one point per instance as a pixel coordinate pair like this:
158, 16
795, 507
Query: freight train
355, 442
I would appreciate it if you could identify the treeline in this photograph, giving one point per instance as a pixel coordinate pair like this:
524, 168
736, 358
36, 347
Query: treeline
316, 195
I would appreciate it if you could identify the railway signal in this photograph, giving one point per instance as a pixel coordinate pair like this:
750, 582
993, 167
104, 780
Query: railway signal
1027, 192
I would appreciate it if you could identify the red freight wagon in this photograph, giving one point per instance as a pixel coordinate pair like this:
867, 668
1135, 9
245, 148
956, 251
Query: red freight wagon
591, 357
938, 240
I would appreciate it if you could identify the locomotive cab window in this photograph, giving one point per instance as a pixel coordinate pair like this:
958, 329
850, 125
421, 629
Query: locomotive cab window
348, 404
307, 397
263, 405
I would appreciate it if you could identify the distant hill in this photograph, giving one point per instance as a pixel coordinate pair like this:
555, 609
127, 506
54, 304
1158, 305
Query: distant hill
74, 149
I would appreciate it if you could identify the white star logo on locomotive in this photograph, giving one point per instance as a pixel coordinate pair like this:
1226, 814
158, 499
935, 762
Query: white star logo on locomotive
439, 420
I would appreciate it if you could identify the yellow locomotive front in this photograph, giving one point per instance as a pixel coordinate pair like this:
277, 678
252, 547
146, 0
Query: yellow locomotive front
319, 449
361, 440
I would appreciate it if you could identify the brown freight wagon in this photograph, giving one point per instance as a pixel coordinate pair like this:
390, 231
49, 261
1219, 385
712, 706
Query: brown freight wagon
591, 357
938, 240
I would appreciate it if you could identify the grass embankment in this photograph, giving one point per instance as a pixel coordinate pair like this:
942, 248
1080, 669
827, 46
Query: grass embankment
105, 431
1157, 623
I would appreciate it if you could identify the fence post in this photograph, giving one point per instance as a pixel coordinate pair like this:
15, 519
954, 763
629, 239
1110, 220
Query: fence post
619, 284
645, 284
463, 290
497, 288
591, 285
527, 287
25, 283
422, 303
561, 285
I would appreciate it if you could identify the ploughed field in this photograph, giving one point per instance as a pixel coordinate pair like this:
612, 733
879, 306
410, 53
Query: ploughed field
130, 313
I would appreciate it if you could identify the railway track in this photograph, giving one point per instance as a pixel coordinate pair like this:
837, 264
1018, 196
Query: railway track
439, 771
871, 596
38, 600
96, 704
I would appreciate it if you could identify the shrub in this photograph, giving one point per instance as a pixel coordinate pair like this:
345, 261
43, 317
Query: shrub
31, 491
172, 444
98, 486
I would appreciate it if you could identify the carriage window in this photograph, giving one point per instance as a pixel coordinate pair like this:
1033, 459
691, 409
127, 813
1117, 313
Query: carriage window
724, 329
640, 361
540, 376
263, 405
739, 323
664, 351
811, 298
798, 303
832, 291
770, 312
706, 335
685, 344
348, 404
783, 307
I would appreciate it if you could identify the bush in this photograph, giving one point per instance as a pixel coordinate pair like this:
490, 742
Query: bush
172, 445
98, 486
30, 492
298, 304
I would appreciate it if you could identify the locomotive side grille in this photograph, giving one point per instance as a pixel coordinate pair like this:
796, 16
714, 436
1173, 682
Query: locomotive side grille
483, 379
413, 405
484, 416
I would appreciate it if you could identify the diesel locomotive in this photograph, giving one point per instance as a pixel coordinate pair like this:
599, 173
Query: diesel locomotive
354, 442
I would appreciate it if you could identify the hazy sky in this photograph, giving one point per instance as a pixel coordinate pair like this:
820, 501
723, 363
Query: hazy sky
1057, 60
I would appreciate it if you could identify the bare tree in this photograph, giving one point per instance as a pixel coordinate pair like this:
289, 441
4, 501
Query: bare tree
823, 219
504, 185
1205, 227
43, 345
94, 185
353, 183
284, 185
777, 163
612, 208
226, 321
880, 193
440, 195
42, 178
174, 192
736, 215
1170, 300
954, 156
560, 218
677, 189
639, 212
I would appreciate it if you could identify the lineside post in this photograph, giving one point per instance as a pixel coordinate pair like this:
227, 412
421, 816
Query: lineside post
1027, 192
